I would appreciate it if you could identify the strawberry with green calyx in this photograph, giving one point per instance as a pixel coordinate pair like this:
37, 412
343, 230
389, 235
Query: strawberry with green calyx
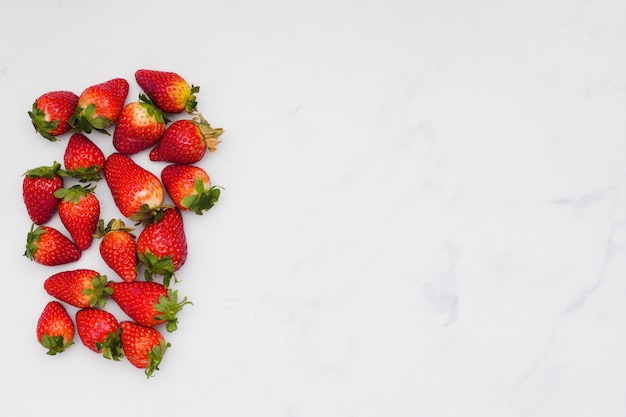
83, 159
47, 246
79, 211
148, 303
168, 90
80, 288
140, 125
162, 245
55, 328
144, 347
186, 141
137, 192
51, 112
100, 332
38, 189
190, 188
118, 248
99, 106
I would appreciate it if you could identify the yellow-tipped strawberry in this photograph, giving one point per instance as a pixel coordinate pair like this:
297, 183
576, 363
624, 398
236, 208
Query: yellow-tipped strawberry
168, 90
137, 192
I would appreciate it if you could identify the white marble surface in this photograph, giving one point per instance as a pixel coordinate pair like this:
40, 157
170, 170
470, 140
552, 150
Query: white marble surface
424, 207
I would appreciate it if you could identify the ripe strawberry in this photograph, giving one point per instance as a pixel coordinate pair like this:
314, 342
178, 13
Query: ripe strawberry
55, 328
168, 90
136, 191
99, 106
139, 126
38, 189
99, 331
143, 346
47, 246
162, 245
186, 141
148, 303
118, 248
189, 187
83, 159
80, 288
51, 113
79, 211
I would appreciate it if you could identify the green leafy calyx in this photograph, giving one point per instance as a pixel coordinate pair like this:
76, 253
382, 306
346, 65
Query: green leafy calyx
43, 126
169, 308
99, 292
202, 200
155, 266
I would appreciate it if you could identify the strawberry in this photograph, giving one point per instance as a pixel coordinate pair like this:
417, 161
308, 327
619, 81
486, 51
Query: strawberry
99, 331
79, 210
99, 106
143, 346
168, 90
118, 248
189, 187
139, 126
186, 141
38, 189
83, 159
51, 113
80, 288
55, 328
148, 303
47, 246
136, 191
162, 245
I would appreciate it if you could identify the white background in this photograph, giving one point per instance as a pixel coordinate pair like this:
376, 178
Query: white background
423, 214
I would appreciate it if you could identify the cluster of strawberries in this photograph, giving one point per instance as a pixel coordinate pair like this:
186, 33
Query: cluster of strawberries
161, 246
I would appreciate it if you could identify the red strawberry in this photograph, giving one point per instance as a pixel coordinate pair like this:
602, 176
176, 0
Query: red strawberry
83, 159
136, 191
55, 328
99, 331
99, 106
189, 187
38, 189
80, 288
139, 127
186, 141
148, 303
162, 245
118, 248
47, 246
168, 90
51, 112
79, 211
143, 346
